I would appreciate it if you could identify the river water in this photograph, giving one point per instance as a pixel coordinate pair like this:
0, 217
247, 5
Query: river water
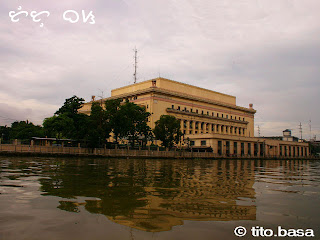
65, 198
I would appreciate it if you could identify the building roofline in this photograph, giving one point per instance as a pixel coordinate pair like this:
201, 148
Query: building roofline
176, 94
166, 79
182, 95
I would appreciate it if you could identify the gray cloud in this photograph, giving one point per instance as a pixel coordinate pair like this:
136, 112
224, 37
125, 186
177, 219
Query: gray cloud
260, 51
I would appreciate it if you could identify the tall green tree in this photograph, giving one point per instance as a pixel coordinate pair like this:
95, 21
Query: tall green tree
167, 130
98, 128
114, 117
25, 130
71, 106
60, 126
67, 122
5, 133
134, 122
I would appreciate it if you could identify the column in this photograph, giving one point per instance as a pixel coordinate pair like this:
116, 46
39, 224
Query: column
266, 150
245, 148
252, 149
193, 127
188, 127
231, 147
181, 125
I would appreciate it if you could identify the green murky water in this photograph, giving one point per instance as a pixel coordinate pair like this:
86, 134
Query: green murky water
52, 198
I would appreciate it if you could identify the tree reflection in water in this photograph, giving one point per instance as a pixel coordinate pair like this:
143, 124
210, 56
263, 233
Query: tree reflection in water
154, 195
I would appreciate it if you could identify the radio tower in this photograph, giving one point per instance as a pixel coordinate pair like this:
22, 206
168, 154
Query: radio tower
310, 129
300, 130
135, 65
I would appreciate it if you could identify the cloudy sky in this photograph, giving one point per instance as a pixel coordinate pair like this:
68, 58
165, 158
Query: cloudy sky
263, 52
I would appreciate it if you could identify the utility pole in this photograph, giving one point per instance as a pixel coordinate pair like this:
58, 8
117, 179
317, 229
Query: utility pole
101, 97
310, 128
135, 65
300, 130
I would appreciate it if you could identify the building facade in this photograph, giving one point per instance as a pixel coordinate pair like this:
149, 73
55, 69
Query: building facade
208, 119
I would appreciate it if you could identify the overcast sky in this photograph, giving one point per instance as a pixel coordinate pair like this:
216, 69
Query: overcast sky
263, 52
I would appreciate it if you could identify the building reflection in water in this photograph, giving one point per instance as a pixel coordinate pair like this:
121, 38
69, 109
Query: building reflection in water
155, 195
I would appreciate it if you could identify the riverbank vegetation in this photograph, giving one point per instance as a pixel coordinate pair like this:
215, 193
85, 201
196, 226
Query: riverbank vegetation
122, 121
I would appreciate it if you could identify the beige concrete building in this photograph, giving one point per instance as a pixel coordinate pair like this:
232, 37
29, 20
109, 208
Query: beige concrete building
208, 119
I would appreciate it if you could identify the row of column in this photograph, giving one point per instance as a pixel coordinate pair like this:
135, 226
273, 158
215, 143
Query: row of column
197, 127
259, 149
293, 151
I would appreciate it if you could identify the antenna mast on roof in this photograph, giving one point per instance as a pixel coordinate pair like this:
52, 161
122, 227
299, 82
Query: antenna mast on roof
135, 65
300, 130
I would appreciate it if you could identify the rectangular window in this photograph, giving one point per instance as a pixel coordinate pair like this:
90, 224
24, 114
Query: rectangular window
207, 113
197, 111
219, 147
191, 110
212, 114
179, 108
227, 147
217, 114
202, 112
191, 143
222, 115
203, 143
227, 116
256, 149
172, 106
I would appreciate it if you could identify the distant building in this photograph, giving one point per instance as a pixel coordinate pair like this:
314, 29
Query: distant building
208, 119
286, 137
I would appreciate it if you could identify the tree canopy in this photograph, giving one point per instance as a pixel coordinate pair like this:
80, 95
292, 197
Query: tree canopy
133, 122
67, 122
167, 130
125, 120
98, 126
23, 130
